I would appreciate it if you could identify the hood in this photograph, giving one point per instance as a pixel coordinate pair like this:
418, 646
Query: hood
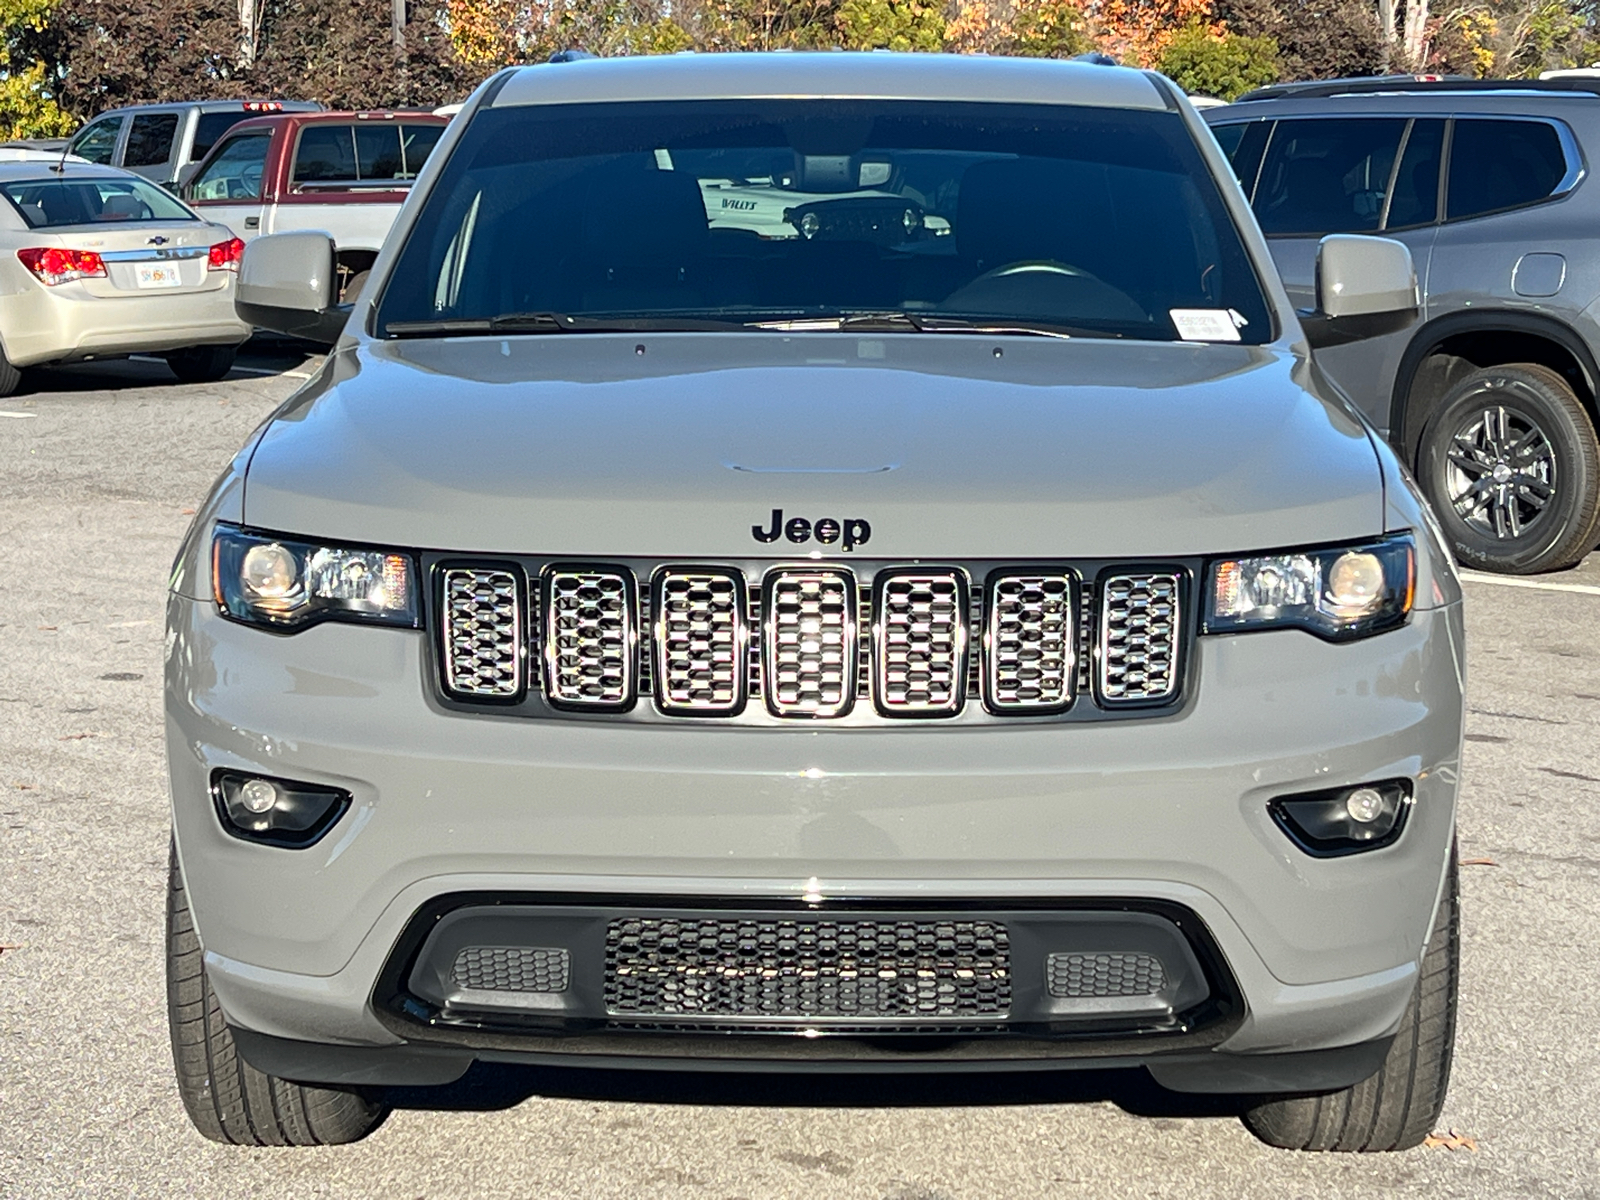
684, 446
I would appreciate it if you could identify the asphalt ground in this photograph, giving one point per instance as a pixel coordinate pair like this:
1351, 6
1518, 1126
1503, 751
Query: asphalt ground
100, 467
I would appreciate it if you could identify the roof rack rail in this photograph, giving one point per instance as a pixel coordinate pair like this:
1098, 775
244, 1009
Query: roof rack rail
1367, 85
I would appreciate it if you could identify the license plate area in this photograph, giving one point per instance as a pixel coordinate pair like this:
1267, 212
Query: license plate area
157, 275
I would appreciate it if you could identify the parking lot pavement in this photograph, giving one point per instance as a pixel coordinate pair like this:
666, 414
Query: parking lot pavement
99, 469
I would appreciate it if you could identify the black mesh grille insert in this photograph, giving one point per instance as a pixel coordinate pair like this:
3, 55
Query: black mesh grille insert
511, 969
1077, 976
804, 970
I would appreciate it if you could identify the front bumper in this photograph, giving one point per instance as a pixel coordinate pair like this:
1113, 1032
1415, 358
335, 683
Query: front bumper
1168, 811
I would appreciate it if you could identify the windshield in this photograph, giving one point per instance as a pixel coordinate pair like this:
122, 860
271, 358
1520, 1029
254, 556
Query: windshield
45, 203
795, 214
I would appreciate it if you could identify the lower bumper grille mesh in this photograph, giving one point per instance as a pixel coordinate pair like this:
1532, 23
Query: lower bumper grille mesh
831, 971
1082, 976
512, 969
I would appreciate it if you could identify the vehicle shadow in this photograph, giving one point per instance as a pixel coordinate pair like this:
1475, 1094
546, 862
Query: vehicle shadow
488, 1087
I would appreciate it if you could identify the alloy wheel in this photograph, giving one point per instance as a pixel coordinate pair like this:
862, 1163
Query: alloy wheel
1501, 472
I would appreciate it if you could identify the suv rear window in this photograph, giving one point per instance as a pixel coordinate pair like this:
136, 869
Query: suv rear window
755, 212
367, 152
1497, 165
210, 127
150, 139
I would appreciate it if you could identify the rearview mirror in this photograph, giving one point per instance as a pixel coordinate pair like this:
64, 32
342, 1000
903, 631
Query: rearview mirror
286, 285
1366, 287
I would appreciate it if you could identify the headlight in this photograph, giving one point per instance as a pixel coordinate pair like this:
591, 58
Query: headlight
286, 584
1339, 593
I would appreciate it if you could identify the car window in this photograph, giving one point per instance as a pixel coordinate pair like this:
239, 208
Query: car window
1243, 144
236, 172
418, 142
761, 211
1415, 200
209, 128
49, 202
378, 154
1327, 176
98, 141
325, 152
150, 139
1502, 164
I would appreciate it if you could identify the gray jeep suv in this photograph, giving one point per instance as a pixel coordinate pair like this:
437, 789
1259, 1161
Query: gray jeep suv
945, 622
1490, 399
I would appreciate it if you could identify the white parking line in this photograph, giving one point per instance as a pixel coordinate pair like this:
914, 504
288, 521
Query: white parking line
19, 416
1583, 589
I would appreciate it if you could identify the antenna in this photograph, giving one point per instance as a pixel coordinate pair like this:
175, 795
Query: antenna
61, 166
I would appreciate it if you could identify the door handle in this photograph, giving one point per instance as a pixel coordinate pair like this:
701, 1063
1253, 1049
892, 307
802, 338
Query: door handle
252, 222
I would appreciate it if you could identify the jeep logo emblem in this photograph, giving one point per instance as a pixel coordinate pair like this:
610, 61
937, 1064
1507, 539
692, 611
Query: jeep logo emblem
852, 532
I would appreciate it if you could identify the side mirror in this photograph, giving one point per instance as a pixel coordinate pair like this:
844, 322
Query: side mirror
286, 285
1366, 287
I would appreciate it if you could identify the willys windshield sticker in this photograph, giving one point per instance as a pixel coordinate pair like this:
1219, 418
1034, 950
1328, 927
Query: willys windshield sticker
1206, 324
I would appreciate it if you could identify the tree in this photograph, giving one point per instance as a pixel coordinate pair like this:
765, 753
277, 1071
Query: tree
1317, 39
1224, 65
1138, 32
890, 25
28, 106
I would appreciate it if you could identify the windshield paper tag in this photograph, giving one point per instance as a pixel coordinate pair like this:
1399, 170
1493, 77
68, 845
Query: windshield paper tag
1205, 324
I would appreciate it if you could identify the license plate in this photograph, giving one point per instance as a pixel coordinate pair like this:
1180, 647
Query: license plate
158, 276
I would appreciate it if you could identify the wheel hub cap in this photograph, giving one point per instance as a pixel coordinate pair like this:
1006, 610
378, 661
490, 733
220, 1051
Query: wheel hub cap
1500, 472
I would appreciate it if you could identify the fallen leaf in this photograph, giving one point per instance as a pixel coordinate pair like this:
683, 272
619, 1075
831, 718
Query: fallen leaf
1450, 1140
186, 512
48, 628
1479, 862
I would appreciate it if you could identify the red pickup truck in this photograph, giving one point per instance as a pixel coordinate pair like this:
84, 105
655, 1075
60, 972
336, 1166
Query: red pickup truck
343, 172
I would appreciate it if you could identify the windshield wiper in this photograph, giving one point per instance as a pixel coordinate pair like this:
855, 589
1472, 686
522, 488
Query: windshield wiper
897, 321
553, 322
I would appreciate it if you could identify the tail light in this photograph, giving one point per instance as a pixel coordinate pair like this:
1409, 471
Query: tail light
52, 265
225, 256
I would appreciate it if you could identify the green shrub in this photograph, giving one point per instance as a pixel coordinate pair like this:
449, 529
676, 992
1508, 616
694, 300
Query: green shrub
1205, 64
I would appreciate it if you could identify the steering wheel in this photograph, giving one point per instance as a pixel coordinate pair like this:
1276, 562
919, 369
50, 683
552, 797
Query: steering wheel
250, 179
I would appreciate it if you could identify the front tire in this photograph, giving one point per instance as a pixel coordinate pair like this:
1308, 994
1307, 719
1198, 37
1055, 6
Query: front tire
227, 1099
1397, 1108
201, 364
1512, 468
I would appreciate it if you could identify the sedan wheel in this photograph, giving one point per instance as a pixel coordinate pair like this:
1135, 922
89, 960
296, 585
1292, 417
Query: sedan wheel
1512, 468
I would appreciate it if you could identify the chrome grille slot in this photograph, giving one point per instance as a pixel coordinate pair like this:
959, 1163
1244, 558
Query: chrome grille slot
809, 642
920, 643
1030, 663
1139, 638
589, 637
482, 630
700, 636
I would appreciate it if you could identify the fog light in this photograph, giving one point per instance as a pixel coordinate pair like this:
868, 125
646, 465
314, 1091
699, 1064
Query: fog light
258, 795
1364, 805
1344, 820
278, 812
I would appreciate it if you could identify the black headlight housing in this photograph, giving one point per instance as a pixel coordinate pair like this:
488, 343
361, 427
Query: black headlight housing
286, 584
1339, 593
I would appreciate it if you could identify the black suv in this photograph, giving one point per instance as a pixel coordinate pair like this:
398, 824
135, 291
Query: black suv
1490, 397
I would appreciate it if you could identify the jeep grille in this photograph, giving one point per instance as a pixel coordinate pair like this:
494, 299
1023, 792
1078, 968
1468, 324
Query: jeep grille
853, 644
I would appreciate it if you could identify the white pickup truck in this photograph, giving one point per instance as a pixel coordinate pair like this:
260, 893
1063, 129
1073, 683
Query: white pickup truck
346, 173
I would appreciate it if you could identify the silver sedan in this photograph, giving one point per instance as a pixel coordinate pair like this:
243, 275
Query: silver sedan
98, 263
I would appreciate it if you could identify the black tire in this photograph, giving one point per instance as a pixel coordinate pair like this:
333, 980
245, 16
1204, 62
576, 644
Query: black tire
1397, 1107
1512, 468
227, 1099
201, 364
10, 377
